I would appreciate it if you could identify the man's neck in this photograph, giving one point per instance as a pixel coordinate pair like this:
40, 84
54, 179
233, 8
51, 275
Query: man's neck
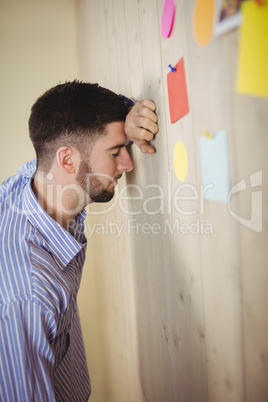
60, 201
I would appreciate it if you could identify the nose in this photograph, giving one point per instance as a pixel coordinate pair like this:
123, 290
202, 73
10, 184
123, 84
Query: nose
124, 161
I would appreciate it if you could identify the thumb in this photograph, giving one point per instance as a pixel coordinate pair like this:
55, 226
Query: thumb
145, 147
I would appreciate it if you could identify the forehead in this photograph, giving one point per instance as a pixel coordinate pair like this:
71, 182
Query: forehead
115, 136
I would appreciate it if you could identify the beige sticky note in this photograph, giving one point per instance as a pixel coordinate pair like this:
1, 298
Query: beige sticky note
253, 51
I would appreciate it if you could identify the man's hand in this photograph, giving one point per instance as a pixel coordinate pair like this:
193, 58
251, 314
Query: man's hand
141, 125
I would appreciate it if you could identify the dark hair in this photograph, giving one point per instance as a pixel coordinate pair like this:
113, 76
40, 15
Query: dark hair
73, 114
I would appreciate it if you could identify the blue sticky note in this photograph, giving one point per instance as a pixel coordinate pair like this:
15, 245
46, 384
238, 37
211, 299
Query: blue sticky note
215, 166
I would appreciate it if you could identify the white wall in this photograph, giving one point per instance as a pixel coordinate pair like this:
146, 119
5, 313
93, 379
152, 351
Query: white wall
38, 50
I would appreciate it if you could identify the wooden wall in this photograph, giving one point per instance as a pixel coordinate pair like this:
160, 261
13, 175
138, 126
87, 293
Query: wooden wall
180, 317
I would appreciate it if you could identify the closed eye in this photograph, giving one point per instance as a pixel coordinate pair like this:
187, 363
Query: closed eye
115, 150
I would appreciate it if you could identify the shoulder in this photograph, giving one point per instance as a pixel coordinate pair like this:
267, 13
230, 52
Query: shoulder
17, 181
15, 258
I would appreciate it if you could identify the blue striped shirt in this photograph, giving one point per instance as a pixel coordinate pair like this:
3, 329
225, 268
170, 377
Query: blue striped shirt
42, 356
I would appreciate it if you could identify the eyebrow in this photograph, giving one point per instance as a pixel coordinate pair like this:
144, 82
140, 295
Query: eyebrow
116, 146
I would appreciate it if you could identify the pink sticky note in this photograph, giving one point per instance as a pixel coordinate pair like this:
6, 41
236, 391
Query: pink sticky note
167, 18
177, 92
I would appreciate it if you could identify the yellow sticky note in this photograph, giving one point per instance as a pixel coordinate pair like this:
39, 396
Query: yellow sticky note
253, 52
180, 161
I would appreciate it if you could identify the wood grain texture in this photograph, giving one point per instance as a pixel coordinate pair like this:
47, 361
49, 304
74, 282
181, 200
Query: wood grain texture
183, 315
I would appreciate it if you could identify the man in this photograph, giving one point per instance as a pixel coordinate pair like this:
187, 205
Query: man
79, 132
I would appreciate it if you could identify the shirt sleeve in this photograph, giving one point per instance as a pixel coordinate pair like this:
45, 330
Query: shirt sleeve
26, 358
129, 103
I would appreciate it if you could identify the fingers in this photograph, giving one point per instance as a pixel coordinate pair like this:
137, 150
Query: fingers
148, 103
142, 116
147, 128
141, 124
137, 132
145, 134
145, 108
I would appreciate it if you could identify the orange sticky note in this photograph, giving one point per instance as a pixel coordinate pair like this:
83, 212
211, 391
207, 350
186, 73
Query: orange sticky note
203, 21
177, 92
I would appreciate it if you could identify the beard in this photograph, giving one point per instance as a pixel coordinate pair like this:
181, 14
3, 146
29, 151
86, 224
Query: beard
93, 188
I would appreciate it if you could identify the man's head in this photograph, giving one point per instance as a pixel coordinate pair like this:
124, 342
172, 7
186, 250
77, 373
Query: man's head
81, 123
72, 114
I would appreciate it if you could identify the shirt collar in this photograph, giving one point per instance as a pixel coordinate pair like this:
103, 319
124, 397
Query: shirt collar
63, 245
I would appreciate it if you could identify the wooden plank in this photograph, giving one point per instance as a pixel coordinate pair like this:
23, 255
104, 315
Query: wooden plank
157, 314
186, 248
250, 122
219, 253
113, 268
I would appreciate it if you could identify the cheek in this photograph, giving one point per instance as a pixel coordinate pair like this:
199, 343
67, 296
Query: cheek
105, 165
105, 169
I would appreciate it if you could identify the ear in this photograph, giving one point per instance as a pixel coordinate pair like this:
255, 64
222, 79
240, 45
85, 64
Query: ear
67, 159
